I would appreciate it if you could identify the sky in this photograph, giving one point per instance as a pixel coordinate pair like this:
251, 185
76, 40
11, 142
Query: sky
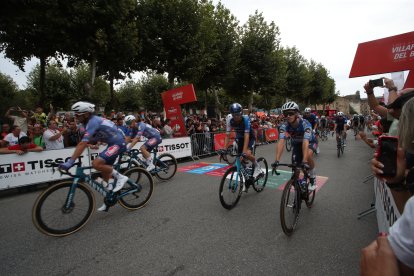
326, 31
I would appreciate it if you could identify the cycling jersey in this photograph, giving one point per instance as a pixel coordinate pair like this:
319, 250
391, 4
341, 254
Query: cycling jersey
153, 135
240, 127
322, 122
312, 119
340, 124
298, 134
99, 129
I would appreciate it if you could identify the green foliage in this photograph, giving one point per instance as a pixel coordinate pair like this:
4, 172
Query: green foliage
130, 96
8, 93
151, 88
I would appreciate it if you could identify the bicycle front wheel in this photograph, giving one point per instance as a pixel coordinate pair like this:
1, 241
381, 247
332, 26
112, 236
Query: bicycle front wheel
53, 217
231, 156
260, 182
288, 143
138, 189
289, 207
231, 188
166, 166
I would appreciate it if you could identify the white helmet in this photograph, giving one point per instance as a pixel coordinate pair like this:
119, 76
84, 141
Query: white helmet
340, 113
308, 110
129, 119
290, 106
83, 107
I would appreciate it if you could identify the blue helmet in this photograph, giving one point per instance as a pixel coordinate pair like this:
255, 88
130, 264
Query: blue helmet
236, 109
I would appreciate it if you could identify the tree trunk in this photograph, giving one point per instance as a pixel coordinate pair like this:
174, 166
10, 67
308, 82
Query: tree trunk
42, 81
111, 89
93, 75
217, 103
171, 78
250, 105
206, 101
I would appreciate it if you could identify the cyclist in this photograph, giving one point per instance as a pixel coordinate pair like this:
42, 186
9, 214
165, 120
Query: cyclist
302, 140
361, 122
244, 134
323, 123
153, 139
355, 122
313, 120
98, 129
340, 126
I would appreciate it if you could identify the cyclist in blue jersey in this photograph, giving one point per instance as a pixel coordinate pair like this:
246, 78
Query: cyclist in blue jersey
340, 126
131, 129
98, 129
244, 134
302, 140
153, 139
313, 120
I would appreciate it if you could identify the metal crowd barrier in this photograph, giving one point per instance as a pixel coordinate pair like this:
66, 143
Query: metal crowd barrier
202, 144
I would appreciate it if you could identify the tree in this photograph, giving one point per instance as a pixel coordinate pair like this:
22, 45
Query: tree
257, 68
169, 33
31, 29
129, 95
151, 88
8, 93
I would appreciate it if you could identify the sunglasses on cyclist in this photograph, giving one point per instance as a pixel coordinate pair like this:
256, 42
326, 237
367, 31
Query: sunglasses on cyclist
287, 114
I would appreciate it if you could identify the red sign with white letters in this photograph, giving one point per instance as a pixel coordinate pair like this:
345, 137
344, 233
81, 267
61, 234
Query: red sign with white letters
172, 100
391, 54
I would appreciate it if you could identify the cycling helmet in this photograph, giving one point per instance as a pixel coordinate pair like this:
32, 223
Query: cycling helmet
308, 110
128, 119
290, 106
83, 107
236, 109
340, 113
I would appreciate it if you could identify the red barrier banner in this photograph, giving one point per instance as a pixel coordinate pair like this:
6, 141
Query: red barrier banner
271, 134
390, 54
219, 139
172, 100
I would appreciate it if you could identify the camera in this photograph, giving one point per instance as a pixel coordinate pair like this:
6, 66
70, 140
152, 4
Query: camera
376, 83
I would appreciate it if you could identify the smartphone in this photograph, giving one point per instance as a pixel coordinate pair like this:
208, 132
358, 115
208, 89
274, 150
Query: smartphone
376, 83
387, 154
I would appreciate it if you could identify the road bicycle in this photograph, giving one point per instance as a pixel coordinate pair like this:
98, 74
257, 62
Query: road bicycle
65, 207
232, 151
240, 176
340, 145
295, 190
165, 164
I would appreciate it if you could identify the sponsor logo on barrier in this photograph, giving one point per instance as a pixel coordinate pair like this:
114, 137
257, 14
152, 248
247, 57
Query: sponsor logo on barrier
30, 167
388, 206
172, 110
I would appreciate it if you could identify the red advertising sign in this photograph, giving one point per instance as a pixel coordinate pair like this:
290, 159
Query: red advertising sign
271, 134
219, 139
180, 95
172, 100
391, 54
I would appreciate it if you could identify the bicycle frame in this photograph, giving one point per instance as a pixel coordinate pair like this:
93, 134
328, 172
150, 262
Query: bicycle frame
135, 159
81, 176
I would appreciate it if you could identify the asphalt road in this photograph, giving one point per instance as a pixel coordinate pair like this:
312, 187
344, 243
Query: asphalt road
184, 230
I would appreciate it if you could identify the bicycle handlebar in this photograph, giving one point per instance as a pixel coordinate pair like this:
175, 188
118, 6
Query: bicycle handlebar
56, 165
293, 166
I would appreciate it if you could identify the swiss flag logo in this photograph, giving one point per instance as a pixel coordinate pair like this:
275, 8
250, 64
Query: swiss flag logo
18, 167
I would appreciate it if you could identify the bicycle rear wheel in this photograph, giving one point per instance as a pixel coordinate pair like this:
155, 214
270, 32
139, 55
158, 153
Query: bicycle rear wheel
288, 143
260, 182
289, 207
135, 199
231, 188
166, 166
53, 218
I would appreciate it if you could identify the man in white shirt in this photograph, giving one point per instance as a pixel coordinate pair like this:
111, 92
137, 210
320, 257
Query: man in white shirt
52, 137
13, 137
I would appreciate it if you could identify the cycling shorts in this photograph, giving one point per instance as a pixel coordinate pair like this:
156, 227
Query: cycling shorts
111, 153
153, 142
240, 143
297, 153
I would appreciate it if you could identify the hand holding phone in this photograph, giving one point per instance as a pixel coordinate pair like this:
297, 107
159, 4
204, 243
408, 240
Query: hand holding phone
376, 83
387, 154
